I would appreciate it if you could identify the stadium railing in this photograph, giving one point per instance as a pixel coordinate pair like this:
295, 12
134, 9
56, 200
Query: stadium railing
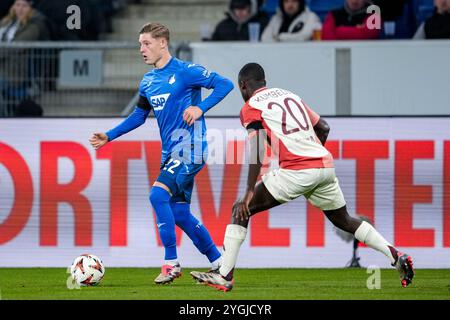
71, 78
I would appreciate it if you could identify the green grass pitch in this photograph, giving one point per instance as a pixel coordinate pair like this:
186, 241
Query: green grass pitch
271, 284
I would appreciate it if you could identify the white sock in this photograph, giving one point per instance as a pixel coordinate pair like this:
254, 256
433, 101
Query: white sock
234, 236
171, 262
216, 263
371, 237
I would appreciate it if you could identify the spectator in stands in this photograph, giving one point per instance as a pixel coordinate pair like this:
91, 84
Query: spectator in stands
23, 23
235, 26
292, 22
349, 22
438, 25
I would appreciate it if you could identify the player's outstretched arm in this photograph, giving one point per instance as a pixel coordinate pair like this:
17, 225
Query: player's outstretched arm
257, 154
197, 76
322, 129
221, 88
133, 121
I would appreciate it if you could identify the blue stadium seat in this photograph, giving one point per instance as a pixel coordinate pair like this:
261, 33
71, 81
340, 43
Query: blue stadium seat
425, 3
322, 7
423, 10
423, 13
270, 7
328, 4
405, 26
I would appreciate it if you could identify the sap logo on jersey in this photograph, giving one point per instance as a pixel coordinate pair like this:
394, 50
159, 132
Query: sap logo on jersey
158, 102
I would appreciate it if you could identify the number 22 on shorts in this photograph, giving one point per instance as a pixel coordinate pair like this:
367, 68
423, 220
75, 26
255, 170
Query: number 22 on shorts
168, 167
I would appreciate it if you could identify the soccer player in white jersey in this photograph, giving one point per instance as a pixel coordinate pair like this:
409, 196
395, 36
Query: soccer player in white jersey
306, 168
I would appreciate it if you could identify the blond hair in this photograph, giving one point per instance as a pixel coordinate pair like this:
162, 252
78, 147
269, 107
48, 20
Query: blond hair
156, 30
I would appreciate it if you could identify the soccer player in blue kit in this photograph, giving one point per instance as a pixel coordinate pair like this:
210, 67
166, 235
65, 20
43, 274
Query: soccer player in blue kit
172, 91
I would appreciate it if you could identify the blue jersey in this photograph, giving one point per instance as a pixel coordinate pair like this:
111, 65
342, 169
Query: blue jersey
169, 92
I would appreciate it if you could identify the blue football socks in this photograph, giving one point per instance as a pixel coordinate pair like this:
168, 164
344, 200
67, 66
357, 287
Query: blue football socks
195, 230
165, 221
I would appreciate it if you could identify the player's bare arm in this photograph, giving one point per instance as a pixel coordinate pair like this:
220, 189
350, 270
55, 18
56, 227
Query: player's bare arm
257, 153
98, 140
322, 129
191, 114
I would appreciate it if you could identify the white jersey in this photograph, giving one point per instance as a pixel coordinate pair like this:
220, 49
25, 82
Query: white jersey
289, 123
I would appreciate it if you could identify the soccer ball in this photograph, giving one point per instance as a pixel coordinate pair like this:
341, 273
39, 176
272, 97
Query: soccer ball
87, 270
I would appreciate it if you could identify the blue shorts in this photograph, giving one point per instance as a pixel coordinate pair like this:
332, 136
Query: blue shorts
179, 178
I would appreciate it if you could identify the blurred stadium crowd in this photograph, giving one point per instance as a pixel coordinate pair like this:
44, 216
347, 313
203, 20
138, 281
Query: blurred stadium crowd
297, 20
279, 20
50, 16
275, 21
